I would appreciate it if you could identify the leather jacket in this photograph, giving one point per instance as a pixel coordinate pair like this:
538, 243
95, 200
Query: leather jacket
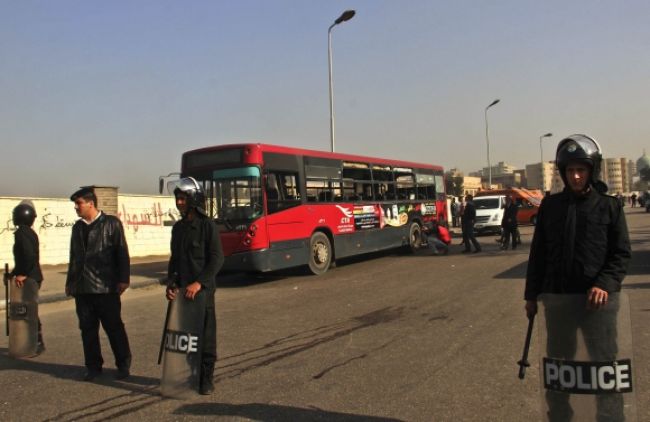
97, 268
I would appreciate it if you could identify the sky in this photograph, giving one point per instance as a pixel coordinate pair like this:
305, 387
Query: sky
113, 92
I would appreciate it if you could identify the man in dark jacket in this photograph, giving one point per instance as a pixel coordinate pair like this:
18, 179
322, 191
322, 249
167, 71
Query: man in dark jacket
26, 254
580, 246
98, 273
467, 221
509, 223
196, 258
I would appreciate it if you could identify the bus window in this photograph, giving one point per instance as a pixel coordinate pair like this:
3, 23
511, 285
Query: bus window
357, 182
282, 190
405, 184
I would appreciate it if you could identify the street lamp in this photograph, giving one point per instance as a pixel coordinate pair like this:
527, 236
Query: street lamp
346, 16
541, 156
487, 140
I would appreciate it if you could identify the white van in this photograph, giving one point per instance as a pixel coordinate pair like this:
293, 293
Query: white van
489, 213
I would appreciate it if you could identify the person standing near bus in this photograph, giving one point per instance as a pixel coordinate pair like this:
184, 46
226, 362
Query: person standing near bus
455, 208
196, 258
467, 222
509, 224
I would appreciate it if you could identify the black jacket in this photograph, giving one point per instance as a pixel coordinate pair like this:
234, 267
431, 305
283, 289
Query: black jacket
509, 219
26, 254
104, 262
469, 213
196, 253
601, 245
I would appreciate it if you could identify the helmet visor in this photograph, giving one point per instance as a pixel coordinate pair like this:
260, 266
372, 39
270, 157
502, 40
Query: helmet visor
186, 184
587, 144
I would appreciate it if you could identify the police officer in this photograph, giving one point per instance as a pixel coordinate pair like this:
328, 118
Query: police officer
580, 246
26, 254
467, 221
196, 257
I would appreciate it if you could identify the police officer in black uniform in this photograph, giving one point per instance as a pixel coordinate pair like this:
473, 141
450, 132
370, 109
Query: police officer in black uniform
580, 246
196, 257
26, 254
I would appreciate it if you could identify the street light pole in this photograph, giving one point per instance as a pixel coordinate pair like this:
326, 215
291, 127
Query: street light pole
541, 156
345, 16
487, 140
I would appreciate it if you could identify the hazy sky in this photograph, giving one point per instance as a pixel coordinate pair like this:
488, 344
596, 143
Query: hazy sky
112, 92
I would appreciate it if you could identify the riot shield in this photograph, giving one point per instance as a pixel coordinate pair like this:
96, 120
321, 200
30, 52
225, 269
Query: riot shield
586, 366
23, 319
182, 346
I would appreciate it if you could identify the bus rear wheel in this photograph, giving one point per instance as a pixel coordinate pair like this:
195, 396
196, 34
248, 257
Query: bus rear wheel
415, 237
320, 253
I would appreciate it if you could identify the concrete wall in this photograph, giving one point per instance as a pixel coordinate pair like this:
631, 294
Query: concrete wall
147, 224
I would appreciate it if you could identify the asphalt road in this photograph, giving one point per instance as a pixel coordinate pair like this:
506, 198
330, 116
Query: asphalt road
388, 337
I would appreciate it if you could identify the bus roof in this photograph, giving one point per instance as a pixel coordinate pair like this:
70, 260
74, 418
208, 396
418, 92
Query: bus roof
321, 154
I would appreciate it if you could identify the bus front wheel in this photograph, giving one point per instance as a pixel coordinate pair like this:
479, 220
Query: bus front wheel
320, 253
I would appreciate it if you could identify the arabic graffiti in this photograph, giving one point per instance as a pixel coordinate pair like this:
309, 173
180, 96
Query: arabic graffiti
59, 223
9, 227
153, 216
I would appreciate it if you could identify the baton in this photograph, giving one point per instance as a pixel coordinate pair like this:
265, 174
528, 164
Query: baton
6, 281
162, 340
523, 363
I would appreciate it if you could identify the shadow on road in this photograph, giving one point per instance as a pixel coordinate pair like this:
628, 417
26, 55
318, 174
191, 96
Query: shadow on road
269, 412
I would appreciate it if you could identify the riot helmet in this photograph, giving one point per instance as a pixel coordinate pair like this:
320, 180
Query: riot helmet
192, 190
584, 149
24, 214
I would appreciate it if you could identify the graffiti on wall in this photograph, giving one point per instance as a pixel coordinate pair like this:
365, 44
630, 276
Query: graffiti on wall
153, 216
9, 227
53, 221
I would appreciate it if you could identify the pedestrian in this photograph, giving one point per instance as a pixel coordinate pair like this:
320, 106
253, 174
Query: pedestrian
436, 237
467, 221
633, 199
196, 258
509, 224
98, 274
580, 246
454, 212
26, 255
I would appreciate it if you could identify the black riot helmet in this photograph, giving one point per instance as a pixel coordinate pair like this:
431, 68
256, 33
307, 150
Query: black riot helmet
24, 215
192, 191
584, 149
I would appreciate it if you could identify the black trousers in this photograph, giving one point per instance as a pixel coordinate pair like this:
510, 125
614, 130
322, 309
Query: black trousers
469, 236
93, 309
209, 352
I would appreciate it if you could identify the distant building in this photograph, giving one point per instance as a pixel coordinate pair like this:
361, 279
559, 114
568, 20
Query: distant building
642, 163
614, 173
536, 178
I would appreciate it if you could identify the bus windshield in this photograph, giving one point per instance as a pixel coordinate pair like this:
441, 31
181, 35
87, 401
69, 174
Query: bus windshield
236, 196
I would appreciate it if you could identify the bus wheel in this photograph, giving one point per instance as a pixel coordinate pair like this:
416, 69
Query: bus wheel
415, 237
320, 253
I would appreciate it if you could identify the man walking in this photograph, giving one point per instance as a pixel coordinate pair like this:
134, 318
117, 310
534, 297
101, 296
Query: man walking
196, 257
467, 222
98, 273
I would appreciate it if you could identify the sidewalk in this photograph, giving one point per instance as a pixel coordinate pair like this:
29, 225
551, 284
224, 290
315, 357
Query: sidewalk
145, 271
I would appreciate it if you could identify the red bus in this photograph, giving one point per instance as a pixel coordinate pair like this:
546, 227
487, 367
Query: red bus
280, 207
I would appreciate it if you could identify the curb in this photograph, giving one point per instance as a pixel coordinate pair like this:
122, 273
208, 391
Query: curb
60, 297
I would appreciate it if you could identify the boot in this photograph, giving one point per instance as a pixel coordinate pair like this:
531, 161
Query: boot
206, 384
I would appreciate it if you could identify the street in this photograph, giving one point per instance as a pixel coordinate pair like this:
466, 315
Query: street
385, 337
